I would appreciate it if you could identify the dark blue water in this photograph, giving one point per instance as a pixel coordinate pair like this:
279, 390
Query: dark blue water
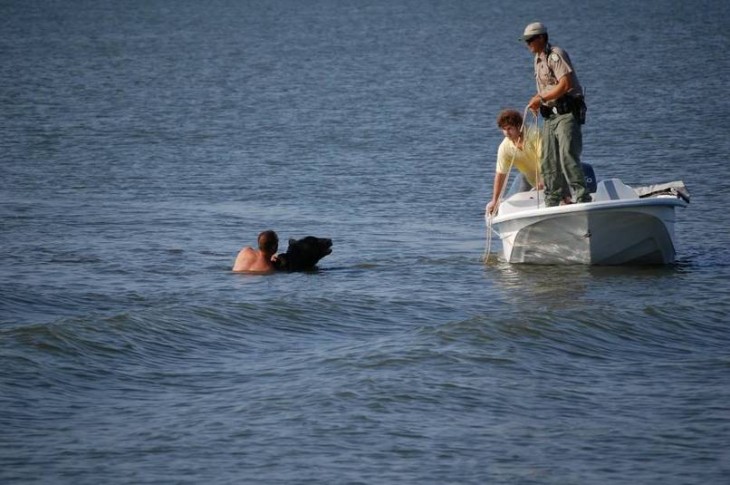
142, 144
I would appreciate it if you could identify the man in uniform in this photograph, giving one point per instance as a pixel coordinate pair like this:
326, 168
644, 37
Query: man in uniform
560, 101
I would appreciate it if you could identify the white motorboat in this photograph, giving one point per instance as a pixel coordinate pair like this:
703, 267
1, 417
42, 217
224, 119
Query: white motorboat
622, 225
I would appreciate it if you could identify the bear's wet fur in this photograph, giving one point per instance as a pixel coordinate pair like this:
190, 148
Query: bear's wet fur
303, 254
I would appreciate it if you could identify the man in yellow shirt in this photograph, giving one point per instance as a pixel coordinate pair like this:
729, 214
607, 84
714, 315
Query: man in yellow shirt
521, 149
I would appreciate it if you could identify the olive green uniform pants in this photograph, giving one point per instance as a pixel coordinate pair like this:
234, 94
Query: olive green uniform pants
562, 144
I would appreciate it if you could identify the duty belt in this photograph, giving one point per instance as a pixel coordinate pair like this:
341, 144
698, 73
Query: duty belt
565, 104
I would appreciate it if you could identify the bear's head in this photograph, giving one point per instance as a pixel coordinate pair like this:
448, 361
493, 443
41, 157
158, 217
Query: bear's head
303, 254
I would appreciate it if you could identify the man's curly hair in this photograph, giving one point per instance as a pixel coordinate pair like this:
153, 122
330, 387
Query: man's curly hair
509, 117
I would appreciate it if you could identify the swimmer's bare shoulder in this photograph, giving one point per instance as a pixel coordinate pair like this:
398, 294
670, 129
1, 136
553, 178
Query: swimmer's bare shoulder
252, 261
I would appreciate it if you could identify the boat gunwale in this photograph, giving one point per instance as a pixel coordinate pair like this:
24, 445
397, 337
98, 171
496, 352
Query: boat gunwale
590, 207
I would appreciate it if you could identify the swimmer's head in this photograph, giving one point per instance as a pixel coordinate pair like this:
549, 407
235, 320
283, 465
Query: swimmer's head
268, 242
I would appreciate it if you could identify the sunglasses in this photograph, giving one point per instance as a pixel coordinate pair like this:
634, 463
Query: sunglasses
527, 41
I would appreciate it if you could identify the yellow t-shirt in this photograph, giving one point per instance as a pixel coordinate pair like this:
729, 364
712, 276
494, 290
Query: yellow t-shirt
527, 160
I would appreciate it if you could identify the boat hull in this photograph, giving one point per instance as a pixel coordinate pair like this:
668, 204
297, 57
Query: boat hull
612, 232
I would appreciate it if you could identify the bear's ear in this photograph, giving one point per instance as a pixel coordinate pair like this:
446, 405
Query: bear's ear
292, 242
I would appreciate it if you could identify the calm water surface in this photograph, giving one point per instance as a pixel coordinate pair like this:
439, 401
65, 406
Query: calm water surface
144, 143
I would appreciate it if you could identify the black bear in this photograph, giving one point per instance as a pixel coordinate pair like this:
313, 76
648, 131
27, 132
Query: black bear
303, 254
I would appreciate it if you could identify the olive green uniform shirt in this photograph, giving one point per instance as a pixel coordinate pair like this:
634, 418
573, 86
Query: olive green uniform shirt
550, 66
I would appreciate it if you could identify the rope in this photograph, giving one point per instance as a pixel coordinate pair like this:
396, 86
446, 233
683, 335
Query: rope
535, 120
488, 245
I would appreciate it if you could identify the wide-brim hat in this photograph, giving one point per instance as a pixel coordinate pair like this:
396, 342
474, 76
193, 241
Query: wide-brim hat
533, 29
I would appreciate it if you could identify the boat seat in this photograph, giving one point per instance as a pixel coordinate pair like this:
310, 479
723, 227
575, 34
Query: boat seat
614, 189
